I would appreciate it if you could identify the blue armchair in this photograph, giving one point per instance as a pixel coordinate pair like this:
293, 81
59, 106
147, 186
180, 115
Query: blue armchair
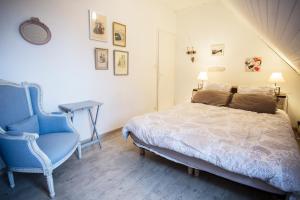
31, 140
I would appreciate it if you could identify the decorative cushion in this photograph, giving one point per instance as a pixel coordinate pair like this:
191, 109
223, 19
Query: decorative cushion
254, 102
212, 97
57, 145
264, 90
217, 86
30, 125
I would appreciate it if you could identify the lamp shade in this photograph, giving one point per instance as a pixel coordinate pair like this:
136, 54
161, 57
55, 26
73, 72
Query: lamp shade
203, 76
276, 77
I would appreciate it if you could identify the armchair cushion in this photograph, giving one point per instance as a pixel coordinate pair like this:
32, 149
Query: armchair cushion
57, 145
30, 125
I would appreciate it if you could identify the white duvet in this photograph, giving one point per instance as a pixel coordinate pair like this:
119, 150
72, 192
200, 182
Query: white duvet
256, 145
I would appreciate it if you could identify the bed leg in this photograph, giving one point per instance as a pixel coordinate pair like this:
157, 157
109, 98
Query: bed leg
190, 170
142, 151
196, 172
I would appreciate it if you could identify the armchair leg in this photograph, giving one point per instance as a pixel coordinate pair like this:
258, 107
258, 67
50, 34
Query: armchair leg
50, 185
11, 179
79, 151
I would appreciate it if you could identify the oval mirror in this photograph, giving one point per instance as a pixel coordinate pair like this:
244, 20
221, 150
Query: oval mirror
35, 32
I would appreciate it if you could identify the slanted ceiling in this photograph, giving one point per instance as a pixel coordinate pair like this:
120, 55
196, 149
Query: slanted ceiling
278, 23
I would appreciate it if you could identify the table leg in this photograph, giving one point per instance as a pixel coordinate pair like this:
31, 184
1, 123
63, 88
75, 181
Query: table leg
94, 123
71, 115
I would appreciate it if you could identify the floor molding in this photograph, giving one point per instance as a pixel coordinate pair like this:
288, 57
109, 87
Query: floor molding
103, 135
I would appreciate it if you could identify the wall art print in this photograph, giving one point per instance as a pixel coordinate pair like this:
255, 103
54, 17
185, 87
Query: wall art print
98, 26
253, 64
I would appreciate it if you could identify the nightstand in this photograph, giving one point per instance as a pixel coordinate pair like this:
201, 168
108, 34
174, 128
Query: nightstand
195, 90
282, 101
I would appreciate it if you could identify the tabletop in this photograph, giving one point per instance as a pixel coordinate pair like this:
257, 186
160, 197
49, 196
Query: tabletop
71, 107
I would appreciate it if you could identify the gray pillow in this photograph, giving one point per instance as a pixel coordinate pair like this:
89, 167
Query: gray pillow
212, 97
254, 102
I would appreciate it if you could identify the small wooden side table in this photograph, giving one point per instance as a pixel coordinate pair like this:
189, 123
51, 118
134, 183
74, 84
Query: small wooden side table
71, 108
195, 90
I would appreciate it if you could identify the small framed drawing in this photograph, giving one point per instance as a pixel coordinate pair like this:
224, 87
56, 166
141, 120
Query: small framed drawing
98, 26
101, 59
121, 62
119, 34
217, 49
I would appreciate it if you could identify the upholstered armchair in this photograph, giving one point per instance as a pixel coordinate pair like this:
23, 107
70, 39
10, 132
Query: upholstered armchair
31, 140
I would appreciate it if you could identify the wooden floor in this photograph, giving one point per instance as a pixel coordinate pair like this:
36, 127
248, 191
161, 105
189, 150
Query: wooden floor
119, 172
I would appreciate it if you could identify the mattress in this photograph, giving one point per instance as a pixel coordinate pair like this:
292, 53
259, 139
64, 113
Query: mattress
260, 146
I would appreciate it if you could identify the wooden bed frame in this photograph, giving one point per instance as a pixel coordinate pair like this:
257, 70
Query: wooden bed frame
195, 165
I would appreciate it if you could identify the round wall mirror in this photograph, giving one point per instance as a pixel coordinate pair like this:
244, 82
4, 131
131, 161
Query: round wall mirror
35, 32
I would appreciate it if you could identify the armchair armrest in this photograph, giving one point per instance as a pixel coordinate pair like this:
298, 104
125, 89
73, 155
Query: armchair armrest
48, 123
20, 151
51, 123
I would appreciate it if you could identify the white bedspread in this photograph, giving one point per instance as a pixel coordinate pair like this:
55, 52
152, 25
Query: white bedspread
248, 143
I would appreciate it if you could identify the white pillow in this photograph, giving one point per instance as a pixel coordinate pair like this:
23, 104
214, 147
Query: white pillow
265, 90
217, 86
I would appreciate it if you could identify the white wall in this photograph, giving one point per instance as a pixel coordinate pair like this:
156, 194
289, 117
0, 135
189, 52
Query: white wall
213, 23
65, 66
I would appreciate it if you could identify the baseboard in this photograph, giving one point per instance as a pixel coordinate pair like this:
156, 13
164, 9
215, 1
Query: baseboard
103, 135
109, 132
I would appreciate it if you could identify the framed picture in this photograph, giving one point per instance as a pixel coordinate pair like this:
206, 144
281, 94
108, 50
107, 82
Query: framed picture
121, 62
119, 34
253, 64
98, 26
217, 49
101, 59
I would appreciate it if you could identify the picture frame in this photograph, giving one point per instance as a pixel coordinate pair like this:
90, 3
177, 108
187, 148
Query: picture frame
98, 26
119, 34
101, 59
217, 49
253, 64
121, 63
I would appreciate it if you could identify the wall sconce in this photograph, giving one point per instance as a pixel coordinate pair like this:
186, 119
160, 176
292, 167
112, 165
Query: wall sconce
191, 52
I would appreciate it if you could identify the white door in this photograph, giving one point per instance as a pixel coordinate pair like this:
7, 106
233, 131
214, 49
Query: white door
166, 70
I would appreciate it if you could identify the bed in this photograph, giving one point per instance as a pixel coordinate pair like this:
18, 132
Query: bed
255, 149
